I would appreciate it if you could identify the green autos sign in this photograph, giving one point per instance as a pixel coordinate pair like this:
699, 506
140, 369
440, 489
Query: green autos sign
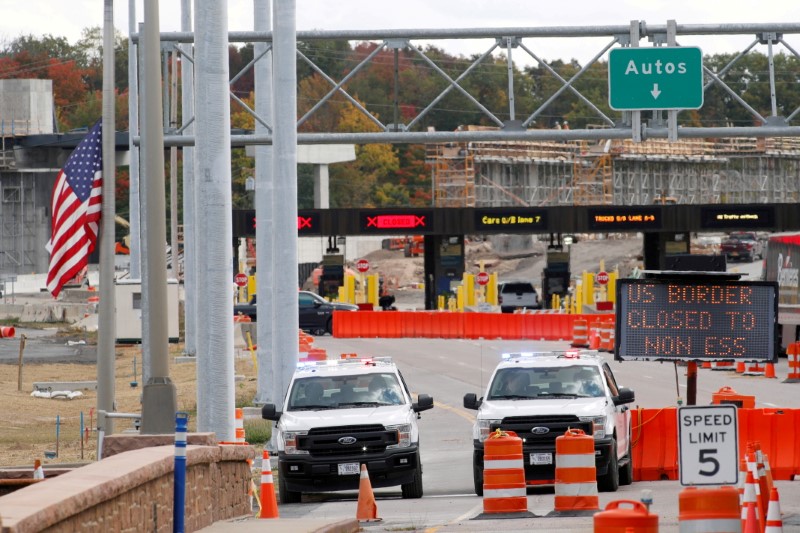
655, 78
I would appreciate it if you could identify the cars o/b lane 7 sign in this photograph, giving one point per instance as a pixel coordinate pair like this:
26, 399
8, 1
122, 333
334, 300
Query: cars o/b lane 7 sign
708, 443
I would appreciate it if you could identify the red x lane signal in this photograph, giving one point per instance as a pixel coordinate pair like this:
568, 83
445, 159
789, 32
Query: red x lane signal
396, 221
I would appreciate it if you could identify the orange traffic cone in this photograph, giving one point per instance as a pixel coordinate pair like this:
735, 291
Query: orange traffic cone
367, 508
774, 521
269, 505
769, 372
38, 471
750, 498
751, 522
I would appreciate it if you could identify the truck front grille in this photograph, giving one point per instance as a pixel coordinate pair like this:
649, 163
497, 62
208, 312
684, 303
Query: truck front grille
366, 439
556, 425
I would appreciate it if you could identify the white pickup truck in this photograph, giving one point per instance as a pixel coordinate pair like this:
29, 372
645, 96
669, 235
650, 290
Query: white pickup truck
539, 395
340, 414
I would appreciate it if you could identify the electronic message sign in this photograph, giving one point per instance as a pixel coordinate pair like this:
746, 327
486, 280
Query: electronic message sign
413, 221
696, 319
737, 216
244, 223
620, 218
510, 219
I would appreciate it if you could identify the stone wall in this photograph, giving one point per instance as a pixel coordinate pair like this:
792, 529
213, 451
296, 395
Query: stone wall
133, 491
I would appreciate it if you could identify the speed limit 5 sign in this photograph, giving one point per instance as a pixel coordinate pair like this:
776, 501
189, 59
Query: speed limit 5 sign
709, 445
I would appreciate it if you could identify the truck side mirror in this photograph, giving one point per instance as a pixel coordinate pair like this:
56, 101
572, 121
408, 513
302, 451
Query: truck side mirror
268, 412
471, 401
625, 396
423, 403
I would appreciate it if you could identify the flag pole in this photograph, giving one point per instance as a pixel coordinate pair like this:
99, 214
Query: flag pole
106, 320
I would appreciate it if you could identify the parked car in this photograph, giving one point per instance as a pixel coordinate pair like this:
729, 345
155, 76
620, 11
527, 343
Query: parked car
743, 245
517, 295
315, 312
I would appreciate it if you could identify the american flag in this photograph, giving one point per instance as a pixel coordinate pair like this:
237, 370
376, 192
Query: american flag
76, 206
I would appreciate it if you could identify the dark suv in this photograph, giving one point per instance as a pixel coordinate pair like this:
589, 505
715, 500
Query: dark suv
316, 313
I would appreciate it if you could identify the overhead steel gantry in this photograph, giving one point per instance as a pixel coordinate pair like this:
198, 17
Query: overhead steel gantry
511, 124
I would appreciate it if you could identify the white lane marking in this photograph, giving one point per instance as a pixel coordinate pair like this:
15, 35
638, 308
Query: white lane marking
770, 404
468, 514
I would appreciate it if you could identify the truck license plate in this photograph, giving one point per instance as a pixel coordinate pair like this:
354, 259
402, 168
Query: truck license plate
349, 469
541, 458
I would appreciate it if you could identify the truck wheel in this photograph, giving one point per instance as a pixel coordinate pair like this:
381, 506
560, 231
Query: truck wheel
610, 481
319, 332
414, 489
329, 326
477, 473
626, 472
286, 495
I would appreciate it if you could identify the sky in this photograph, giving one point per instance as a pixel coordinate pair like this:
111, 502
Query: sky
68, 17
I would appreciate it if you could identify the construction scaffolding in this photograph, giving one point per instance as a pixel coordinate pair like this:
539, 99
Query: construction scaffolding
617, 172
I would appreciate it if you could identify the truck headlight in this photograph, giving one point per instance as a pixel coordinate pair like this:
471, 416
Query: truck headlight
403, 435
485, 426
599, 425
290, 442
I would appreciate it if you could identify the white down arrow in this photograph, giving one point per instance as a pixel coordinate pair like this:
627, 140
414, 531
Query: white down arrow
655, 92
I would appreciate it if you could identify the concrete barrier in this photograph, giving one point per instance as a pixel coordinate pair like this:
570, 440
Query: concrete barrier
128, 490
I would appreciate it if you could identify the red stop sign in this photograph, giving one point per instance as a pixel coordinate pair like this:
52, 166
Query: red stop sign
362, 265
240, 279
482, 278
602, 277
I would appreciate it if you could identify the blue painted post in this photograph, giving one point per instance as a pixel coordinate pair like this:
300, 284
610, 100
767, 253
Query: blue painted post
179, 505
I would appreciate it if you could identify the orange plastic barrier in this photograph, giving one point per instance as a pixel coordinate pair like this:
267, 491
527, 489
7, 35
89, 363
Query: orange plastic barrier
504, 489
7, 332
449, 325
726, 395
704, 509
655, 444
778, 432
615, 519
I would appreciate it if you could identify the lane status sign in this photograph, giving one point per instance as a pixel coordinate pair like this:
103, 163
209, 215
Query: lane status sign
602, 277
708, 443
240, 279
362, 265
655, 78
482, 278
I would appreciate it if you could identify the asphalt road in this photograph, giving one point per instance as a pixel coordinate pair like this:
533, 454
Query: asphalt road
447, 369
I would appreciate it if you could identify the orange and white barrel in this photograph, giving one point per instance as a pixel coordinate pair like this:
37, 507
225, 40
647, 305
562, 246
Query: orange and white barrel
239, 425
504, 489
576, 473
793, 355
701, 510
580, 333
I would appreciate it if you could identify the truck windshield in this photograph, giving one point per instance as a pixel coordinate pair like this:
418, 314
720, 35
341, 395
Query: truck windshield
580, 381
345, 391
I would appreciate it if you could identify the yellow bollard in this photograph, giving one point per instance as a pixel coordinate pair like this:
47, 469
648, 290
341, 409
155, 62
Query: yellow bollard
460, 298
469, 289
491, 289
612, 285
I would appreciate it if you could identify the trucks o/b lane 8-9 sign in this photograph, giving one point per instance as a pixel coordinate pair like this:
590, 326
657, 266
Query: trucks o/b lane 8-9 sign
696, 319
